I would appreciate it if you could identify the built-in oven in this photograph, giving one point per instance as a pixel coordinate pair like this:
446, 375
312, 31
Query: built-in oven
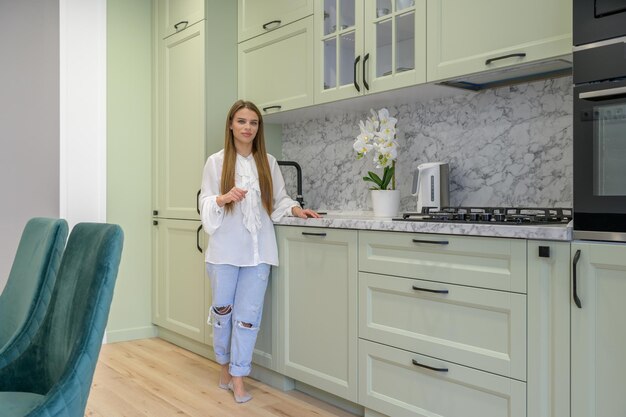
600, 141
596, 20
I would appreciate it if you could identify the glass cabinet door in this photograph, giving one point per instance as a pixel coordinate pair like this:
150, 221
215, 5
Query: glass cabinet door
395, 43
338, 49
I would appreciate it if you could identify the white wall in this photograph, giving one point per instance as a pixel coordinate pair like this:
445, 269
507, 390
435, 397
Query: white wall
52, 115
29, 119
82, 34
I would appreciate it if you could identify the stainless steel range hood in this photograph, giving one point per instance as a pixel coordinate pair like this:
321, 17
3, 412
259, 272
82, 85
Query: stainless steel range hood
513, 75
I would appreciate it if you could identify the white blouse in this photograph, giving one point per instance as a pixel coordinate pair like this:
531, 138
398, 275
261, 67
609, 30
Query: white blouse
245, 236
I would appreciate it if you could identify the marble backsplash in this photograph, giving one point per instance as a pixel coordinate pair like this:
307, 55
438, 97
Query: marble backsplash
510, 146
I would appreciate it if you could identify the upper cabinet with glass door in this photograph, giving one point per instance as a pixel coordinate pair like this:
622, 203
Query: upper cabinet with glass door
177, 15
368, 46
256, 17
466, 37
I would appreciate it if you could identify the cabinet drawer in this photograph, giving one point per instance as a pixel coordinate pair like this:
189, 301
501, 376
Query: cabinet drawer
177, 15
484, 329
392, 384
258, 17
494, 263
283, 57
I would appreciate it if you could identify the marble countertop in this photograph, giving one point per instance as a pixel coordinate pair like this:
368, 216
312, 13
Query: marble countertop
363, 220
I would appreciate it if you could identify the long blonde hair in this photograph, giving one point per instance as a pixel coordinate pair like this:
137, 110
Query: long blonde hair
258, 152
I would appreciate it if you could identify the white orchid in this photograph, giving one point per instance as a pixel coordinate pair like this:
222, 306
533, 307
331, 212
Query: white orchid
378, 135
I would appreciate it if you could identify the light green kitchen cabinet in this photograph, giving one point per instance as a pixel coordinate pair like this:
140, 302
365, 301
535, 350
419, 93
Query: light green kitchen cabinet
176, 15
179, 278
276, 69
598, 331
475, 327
548, 329
258, 17
399, 383
180, 123
494, 263
317, 307
466, 37
364, 46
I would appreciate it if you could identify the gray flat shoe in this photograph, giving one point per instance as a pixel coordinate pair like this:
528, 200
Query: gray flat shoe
243, 398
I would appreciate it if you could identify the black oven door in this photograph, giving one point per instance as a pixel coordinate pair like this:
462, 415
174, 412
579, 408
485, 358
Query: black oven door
600, 161
596, 20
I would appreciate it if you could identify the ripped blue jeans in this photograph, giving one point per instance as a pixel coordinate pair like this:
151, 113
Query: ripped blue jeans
235, 313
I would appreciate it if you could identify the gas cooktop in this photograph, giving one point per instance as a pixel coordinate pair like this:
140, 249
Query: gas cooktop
491, 215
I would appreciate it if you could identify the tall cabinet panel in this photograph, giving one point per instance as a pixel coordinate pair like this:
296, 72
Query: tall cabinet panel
179, 292
180, 145
548, 329
598, 330
192, 94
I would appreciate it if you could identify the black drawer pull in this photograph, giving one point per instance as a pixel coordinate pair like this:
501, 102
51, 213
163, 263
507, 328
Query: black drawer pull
184, 22
356, 84
313, 234
429, 290
432, 242
277, 22
198, 239
277, 107
197, 202
432, 368
365, 58
519, 55
574, 280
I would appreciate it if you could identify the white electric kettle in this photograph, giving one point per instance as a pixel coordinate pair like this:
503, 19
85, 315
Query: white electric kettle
431, 185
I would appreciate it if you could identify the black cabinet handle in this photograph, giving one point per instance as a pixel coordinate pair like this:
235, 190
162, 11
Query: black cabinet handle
356, 62
432, 242
198, 239
277, 107
518, 55
184, 22
574, 291
432, 368
155, 212
197, 202
155, 222
429, 290
365, 58
313, 234
277, 22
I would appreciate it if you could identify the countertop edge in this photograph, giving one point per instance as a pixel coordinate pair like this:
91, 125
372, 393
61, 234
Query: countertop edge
535, 232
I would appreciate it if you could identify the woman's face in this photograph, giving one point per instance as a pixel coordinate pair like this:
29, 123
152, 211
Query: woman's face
245, 125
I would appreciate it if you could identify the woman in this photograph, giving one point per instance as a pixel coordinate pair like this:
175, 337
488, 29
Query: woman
242, 193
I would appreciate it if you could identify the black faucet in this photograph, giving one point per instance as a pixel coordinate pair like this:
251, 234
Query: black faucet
299, 198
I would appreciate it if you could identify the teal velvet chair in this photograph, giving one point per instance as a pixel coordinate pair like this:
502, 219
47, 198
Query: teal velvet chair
52, 376
26, 295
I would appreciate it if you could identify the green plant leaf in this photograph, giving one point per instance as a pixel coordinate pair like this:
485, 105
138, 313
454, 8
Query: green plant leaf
387, 176
371, 180
375, 177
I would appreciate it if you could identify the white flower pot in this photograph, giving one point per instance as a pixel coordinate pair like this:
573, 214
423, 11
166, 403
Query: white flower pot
386, 203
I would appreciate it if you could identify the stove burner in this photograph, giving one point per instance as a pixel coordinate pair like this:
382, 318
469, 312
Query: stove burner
492, 215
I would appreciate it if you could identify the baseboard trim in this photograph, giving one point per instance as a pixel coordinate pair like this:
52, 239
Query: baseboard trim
130, 334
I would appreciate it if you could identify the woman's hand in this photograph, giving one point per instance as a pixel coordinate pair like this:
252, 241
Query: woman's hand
234, 195
304, 213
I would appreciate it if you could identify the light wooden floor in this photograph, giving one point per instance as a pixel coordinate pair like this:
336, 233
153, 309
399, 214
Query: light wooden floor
152, 377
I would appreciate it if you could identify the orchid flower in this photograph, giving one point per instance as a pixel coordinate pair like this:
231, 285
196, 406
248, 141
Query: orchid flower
377, 136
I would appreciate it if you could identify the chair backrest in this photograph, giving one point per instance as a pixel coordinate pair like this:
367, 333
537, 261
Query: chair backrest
61, 360
25, 297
